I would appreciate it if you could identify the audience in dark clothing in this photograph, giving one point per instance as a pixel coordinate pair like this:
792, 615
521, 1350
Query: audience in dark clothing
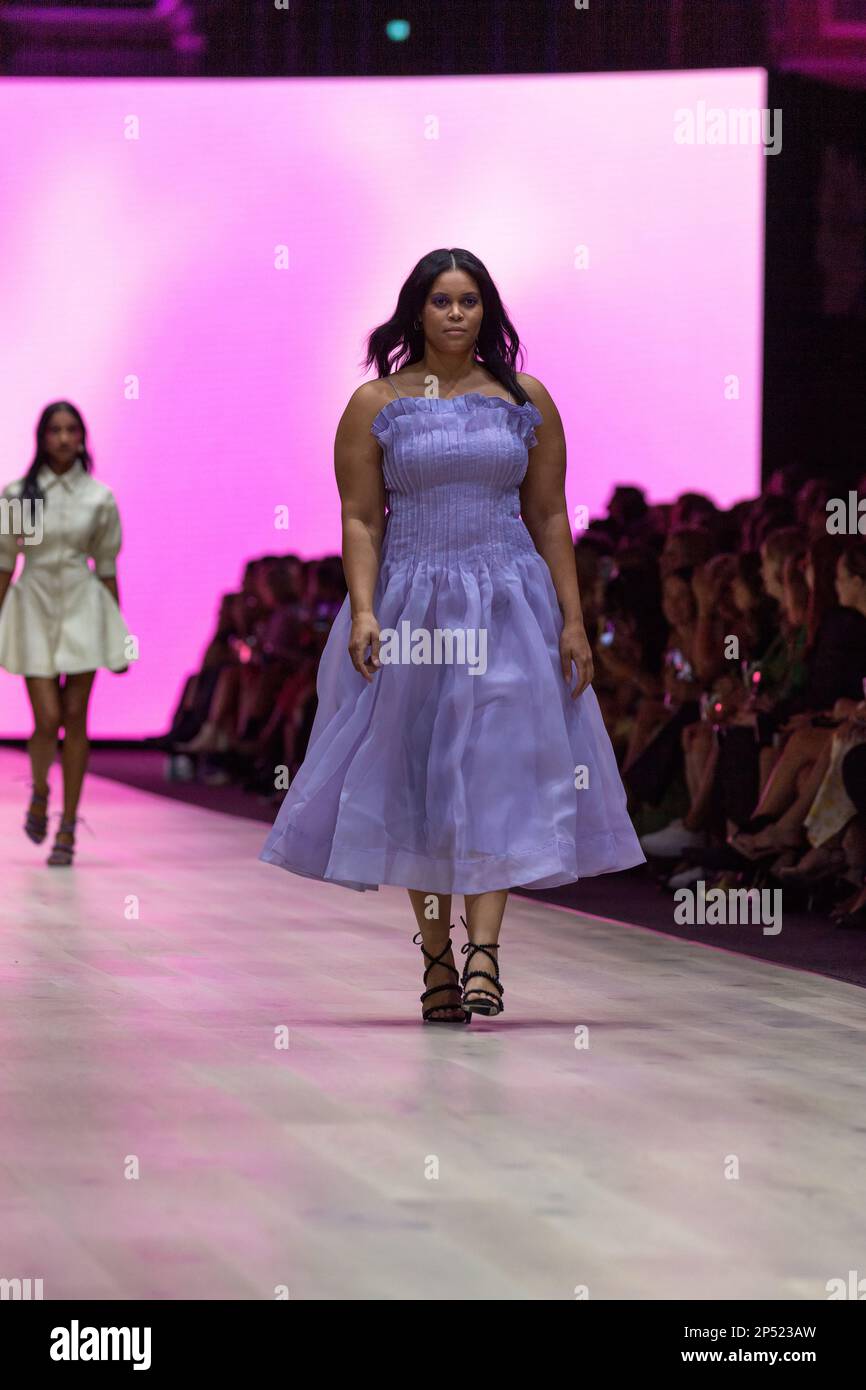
730, 666
247, 712
733, 755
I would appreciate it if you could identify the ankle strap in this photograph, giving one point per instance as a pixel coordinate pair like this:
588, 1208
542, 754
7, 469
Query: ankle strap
68, 826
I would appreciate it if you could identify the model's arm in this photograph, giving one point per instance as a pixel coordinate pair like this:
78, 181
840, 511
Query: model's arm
106, 545
5, 581
358, 468
545, 515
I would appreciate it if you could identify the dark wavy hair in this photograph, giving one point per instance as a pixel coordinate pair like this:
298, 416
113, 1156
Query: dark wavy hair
31, 488
398, 343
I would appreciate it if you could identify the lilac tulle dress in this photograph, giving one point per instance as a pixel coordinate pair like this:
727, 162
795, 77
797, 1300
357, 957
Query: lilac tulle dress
469, 772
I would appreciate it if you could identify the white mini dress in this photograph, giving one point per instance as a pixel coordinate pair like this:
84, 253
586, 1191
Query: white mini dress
58, 617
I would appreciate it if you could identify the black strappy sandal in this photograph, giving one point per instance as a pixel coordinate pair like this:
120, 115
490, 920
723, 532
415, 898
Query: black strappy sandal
486, 1002
36, 823
62, 854
427, 1014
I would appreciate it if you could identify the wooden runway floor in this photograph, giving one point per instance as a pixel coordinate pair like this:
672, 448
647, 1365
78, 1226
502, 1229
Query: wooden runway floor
709, 1142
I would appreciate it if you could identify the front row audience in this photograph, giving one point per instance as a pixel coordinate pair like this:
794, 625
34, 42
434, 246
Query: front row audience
730, 667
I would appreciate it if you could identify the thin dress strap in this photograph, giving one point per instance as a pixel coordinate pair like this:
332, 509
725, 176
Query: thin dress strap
395, 388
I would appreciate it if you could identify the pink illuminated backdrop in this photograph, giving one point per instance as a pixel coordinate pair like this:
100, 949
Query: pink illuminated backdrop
155, 258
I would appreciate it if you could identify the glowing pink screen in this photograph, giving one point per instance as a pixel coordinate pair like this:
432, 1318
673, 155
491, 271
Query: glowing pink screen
143, 276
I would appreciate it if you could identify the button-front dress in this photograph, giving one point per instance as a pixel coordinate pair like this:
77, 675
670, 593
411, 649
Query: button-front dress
436, 776
58, 617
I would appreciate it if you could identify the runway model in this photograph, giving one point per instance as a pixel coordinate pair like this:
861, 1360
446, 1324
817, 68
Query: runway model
458, 745
61, 621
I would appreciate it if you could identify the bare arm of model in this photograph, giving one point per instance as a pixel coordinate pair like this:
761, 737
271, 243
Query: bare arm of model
545, 515
5, 581
110, 582
358, 468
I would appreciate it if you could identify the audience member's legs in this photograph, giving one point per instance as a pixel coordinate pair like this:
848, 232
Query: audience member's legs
650, 716
702, 751
800, 751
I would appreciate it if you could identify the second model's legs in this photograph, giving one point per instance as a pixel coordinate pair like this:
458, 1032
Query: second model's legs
44, 695
74, 699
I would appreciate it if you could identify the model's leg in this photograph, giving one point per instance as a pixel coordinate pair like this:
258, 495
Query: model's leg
484, 912
74, 699
433, 915
44, 696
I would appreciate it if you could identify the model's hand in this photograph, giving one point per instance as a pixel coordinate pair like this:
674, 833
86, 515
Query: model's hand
574, 648
365, 633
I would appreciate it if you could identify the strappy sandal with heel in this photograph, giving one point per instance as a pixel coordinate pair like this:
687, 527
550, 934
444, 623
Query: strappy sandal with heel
36, 822
428, 1014
485, 1001
62, 854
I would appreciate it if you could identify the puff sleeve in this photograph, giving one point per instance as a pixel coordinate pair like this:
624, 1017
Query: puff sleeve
107, 538
8, 536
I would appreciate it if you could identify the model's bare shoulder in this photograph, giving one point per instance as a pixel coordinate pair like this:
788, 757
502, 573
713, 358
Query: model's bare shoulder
365, 403
539, 395
361, 410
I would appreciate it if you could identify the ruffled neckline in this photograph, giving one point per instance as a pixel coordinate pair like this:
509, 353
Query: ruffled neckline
379, 424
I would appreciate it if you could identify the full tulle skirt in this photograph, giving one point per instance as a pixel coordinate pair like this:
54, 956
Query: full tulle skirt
446, 777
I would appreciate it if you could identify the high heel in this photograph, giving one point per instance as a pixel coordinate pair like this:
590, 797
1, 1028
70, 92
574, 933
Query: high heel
61, 855
36, 823
486, 1002
427, 1014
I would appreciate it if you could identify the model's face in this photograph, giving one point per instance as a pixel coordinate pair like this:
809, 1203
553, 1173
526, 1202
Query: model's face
63, 438
451, 317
